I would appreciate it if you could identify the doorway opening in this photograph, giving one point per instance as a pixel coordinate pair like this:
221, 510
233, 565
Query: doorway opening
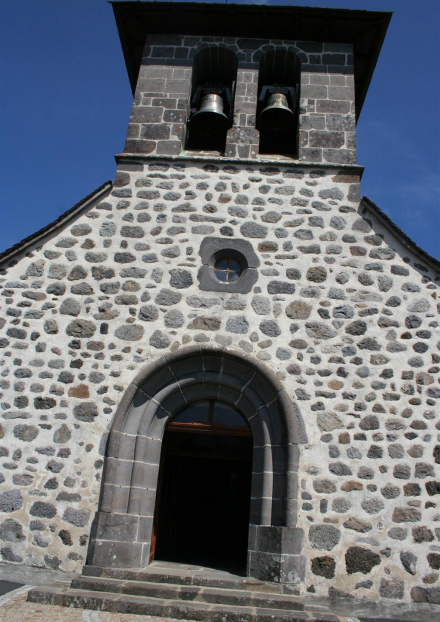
203, 497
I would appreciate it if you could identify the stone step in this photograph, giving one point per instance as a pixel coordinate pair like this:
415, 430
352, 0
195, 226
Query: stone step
178, 609
187, 576
193, 593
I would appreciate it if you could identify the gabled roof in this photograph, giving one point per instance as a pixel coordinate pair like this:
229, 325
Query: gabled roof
39, 237
365, 30
367, 204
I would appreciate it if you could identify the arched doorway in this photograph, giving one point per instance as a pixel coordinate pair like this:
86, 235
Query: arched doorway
204, 488
122, 532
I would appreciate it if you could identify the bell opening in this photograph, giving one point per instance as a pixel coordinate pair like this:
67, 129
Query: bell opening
213, 84
277, 109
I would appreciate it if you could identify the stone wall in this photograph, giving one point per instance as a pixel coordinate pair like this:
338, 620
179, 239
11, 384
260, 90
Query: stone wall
343, 311
327, 113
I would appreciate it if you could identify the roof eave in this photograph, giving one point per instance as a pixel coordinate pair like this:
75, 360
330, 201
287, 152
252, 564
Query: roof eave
40, 236
404, 239
364, 29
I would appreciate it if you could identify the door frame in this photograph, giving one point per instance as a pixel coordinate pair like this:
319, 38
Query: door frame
209, 427
121, 532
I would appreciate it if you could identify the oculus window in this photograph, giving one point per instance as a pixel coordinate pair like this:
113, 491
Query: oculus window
227, 266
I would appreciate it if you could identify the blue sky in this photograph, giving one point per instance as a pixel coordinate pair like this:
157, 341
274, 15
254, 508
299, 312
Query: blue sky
65, 102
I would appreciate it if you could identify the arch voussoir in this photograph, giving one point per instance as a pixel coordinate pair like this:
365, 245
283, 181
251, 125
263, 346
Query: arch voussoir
133, 456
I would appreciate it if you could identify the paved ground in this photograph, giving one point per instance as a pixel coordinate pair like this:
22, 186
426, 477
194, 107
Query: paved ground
33, 576
18, 610
379, 611
8, 586
15, 581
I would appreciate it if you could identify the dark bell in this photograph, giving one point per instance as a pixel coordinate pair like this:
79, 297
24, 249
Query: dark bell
210, 117
277, 116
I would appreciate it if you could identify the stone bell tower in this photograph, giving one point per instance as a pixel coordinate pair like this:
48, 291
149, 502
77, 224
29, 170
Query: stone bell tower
231, 64
246, 349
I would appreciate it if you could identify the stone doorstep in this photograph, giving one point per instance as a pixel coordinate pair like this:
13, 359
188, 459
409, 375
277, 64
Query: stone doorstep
202, 612
193, 593
208, 578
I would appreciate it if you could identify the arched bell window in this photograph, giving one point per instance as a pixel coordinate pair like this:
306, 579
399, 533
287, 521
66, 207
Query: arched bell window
212, 94
278, 103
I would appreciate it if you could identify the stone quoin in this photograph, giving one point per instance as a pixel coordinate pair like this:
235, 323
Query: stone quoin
231, 316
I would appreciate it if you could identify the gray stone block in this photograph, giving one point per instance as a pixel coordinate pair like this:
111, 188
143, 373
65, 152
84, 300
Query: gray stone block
326, 139
145, 528
293, 569
142, 501
117, 527
121, 445
144, 475
118, 472
340, 156
117, 554
114, 498
282, 540
264, 566
169, 147
332, 106
146, 114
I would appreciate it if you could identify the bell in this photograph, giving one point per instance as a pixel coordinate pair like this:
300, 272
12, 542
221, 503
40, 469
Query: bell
210, 117
277, 116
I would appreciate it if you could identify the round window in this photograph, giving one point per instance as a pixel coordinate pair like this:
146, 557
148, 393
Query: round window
227, 270
228, 266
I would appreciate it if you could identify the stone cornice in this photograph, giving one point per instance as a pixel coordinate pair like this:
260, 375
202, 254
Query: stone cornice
355, 169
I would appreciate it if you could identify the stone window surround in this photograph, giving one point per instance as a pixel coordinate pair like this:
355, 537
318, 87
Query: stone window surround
211, 249
121, 533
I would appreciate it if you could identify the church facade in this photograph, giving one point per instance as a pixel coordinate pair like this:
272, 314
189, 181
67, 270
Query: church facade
226, 356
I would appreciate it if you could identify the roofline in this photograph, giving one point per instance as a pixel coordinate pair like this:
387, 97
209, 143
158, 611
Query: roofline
42, 234
366, 30
405, 240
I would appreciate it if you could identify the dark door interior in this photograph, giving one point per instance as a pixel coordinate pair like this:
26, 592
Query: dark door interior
202, 513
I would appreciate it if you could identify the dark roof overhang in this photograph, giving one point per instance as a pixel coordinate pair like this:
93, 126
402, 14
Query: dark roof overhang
365, 30
366, 205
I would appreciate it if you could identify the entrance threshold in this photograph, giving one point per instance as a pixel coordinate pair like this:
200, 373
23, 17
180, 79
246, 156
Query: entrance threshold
192, 570
176, 573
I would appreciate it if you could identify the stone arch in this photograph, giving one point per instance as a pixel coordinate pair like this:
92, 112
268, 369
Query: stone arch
124, 521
